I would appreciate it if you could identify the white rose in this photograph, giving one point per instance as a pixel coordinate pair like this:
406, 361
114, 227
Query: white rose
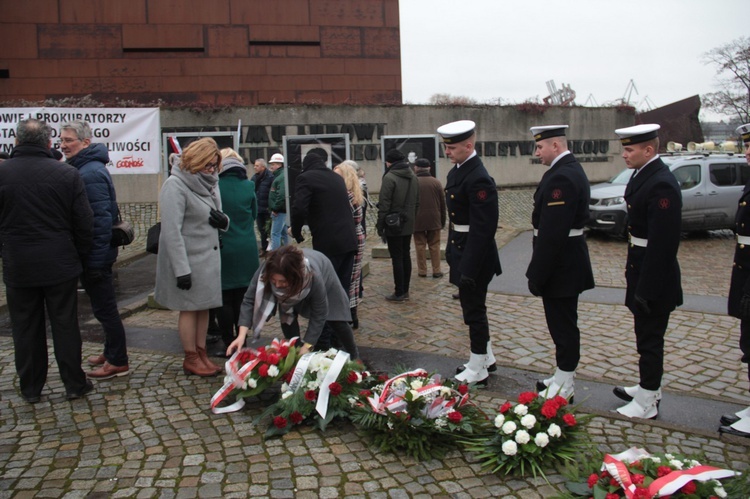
528, 421
510, 448
273, 371
440, 422
669, 456
522, 437
499, 420
541, 439
251, 383
352, 401
521, 409
676, 464
284, 387
445, 391
554, 430
719, 490
694, 463
509, 427
312, 385
286, 395
414, 394
416, 384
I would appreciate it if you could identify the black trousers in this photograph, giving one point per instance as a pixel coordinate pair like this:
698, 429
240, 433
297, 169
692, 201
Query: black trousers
474, 307
104, 306
649, 340
340, 331
562, 322
400, 247
228, 315
26, 307
745, 344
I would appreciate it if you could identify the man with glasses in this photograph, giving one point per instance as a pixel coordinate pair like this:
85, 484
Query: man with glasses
90, 160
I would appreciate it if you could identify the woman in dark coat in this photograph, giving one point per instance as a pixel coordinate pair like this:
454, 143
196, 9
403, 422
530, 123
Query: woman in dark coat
239, 248
297, 282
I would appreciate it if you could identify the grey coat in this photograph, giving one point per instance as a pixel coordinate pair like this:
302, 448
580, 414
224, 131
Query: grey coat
188, 245
327, 300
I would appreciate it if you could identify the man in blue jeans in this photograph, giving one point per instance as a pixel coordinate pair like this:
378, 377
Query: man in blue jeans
90, 160
277, 202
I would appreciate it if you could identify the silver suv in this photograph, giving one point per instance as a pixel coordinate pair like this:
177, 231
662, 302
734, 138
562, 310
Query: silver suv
711, 185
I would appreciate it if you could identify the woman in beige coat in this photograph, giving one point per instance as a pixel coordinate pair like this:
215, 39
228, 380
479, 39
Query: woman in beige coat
188, 266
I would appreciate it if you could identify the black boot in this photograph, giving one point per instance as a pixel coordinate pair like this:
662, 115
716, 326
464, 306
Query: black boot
355, 320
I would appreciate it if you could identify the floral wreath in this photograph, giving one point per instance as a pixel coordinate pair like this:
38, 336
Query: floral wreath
251, 371
529, 436
323, 385
419, 414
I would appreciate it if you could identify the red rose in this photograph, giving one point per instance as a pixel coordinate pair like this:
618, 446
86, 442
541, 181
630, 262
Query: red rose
365, 393
279, 422
612, 495
352, 377
383, 377
526, 398
463, 389
244, 357
455, 417
593, 478
689, 488
560, 401
296, 417
637, 478
614, 482
549, 409
505, 408
263, 370
311, 395
605, 474
263, 356
283, 350
641, 493
569, 420
288, 376
335, 388
273, 359
663, 471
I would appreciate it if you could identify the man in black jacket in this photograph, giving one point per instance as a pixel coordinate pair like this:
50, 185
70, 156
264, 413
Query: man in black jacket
321, 201
560, 267
652, 273
471, 251
263, 179
46, 230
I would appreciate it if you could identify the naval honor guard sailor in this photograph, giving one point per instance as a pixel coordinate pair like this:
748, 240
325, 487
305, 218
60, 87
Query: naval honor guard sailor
560, 267
471, 252
652, 273
739, 292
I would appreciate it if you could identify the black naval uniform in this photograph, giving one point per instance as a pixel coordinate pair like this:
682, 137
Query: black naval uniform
652, 273
740, 283
560, 267
471, 199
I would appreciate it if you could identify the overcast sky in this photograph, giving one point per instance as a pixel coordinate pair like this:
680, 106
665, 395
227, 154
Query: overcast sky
509, 49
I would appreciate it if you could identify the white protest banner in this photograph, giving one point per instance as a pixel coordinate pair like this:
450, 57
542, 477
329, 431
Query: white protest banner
130, 134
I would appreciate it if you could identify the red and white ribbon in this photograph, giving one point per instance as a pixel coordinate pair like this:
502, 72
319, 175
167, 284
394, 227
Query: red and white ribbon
391, 400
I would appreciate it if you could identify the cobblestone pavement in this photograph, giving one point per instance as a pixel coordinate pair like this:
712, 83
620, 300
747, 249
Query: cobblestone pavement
151, 434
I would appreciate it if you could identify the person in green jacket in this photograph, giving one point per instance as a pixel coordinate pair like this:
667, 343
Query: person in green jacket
239, 248
277, 203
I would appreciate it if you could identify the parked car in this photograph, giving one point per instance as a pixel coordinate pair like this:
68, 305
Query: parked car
711, 186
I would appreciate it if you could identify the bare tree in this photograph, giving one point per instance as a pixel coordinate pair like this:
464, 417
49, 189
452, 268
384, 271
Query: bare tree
451, 100
733, 79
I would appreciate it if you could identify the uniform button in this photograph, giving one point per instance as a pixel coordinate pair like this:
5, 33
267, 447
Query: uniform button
215, 248
453, 241
629, 206
742, 224
742, 246
744, 203
453, 196
453, 214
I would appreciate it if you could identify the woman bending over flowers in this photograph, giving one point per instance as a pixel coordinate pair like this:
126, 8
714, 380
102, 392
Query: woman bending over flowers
297, 282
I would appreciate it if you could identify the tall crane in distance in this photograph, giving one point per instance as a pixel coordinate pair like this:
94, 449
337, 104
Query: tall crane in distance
629, 89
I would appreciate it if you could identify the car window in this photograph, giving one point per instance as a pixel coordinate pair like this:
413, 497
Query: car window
744, 173
688, 176
622, 178
723, 174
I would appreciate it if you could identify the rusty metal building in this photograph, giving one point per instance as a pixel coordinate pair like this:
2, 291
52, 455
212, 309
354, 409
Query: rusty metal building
206, 52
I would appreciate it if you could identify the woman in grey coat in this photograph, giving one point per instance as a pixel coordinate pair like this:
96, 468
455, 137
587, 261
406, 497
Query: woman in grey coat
297, 282
188, 266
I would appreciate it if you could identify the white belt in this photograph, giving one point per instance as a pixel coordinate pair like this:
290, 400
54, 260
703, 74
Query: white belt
743, 239
460, 228
572, 233
638, 241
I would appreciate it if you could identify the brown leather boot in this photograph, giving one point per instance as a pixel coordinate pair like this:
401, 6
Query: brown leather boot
193, 365
206, 361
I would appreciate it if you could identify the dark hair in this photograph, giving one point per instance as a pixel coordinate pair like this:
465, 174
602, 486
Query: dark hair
422, 163
32, 132
289, 262
319, 151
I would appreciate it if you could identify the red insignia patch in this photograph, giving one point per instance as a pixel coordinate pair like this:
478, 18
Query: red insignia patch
557, 194
482, 195
663, 203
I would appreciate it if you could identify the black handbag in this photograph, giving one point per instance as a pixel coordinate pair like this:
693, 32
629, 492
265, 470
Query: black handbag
122, 232
395, 220
152, 238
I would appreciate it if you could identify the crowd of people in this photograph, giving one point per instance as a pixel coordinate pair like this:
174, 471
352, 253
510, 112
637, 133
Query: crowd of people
56, 224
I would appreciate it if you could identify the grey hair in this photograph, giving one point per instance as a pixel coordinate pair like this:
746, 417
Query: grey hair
80, 128
33, 132
262, 162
